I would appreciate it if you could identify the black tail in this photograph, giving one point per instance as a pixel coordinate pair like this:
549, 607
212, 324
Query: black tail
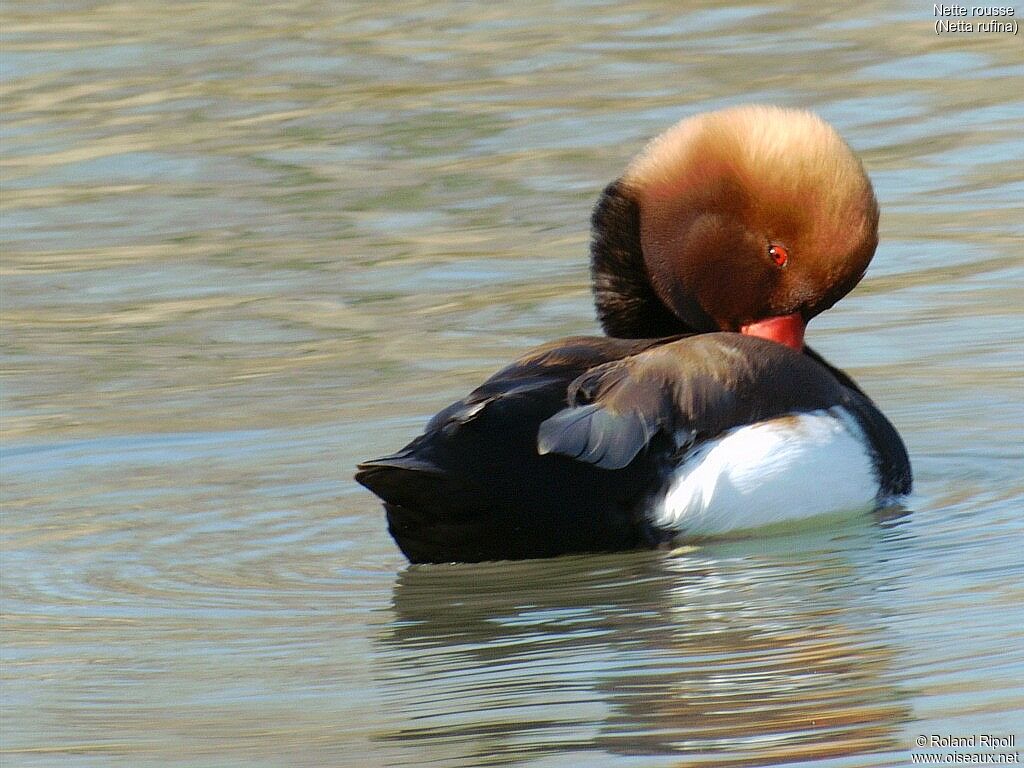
433, 516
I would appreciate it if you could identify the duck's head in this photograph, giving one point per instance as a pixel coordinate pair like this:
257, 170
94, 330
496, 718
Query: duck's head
751, 219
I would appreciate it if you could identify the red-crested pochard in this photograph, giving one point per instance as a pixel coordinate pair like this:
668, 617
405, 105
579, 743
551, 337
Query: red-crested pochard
702, 412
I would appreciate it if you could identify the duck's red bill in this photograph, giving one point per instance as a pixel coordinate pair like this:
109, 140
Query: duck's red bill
785, 329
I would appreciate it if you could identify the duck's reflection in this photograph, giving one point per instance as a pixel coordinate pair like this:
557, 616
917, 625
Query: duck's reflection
738, 658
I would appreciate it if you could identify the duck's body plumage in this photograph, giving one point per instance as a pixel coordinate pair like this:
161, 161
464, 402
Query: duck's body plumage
681, 423
581, 446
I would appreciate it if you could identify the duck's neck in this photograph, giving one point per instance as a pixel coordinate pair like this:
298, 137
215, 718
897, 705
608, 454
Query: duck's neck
627, 306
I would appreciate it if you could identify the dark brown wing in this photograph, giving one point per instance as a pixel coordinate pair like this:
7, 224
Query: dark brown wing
693, 389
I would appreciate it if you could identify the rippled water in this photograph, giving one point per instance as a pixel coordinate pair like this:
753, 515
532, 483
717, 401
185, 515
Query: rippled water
246, 246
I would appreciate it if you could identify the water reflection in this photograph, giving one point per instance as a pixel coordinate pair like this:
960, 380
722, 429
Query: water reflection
739, 660
242, 250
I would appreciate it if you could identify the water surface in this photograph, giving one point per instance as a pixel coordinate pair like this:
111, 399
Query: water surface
243, 249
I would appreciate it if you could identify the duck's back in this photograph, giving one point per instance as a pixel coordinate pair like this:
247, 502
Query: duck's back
473, 487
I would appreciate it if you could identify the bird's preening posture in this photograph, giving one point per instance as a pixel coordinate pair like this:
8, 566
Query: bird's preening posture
701, 412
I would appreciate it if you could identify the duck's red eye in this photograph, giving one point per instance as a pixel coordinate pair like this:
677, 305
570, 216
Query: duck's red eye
779, 255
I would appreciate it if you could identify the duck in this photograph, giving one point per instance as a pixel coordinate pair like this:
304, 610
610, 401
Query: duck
701, 412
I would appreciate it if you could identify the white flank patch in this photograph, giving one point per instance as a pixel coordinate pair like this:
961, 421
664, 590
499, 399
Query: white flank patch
772, 472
